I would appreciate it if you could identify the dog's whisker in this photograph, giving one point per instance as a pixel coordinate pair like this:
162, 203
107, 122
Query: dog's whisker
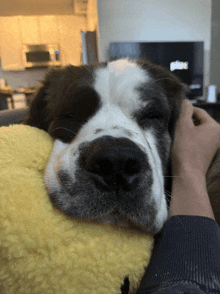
171, 176
64, 129
161, 80
168, 194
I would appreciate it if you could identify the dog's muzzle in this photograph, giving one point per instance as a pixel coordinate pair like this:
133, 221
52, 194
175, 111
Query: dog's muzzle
114, 163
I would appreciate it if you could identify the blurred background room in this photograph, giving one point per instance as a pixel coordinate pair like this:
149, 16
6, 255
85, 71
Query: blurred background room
37, 35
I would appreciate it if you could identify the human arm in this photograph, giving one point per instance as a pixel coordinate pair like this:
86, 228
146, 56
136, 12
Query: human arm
186, 255
193, 150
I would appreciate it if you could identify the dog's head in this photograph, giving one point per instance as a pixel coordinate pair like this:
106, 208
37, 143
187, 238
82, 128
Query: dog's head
113, 125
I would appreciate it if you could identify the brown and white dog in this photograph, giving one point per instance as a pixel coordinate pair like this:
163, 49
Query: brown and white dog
113, 125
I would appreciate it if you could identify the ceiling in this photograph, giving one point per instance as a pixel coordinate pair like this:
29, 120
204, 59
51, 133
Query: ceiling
42, 7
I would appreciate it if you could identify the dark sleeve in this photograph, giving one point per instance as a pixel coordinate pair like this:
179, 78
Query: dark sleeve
185, 259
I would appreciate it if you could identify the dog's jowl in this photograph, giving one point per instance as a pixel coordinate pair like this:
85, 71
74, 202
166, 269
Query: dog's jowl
113, 125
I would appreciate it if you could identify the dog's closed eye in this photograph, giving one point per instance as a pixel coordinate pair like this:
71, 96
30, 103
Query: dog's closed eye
69, 115
153, 114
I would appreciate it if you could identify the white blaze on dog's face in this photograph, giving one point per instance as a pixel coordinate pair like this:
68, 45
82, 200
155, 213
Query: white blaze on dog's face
112, 143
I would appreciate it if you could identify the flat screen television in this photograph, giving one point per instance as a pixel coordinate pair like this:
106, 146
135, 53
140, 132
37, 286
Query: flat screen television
184, 59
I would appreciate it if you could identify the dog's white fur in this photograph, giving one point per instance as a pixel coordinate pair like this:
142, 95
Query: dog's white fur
116, 86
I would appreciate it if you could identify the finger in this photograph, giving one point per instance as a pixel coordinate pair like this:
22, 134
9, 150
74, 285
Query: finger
186, 111
201, 115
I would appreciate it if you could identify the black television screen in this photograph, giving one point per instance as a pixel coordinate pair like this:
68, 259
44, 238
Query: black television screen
185, 59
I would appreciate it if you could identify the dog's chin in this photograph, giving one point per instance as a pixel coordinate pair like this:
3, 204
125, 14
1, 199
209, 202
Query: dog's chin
116, 214
119, 220
124, 222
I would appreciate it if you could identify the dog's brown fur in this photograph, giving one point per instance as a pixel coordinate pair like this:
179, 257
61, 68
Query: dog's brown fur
172, 86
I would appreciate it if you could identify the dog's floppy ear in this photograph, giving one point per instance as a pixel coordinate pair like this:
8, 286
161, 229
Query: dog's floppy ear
176, 92
38, 113
37, 116
174, 89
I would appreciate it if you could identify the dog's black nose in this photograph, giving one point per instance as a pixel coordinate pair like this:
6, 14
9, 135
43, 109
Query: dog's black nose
114, 163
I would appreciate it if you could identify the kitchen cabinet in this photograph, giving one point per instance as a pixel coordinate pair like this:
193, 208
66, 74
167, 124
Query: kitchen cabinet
64, 30
39, 29
11, 43
70, 27
30, 31
49, 30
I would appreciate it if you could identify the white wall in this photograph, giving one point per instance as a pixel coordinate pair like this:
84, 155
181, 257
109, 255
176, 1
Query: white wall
155, 20
215, 48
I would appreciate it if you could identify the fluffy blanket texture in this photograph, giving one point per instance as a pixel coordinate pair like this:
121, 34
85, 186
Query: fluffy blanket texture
43, 251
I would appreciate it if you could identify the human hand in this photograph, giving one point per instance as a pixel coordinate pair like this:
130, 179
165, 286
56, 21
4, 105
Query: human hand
193, 150
194, 145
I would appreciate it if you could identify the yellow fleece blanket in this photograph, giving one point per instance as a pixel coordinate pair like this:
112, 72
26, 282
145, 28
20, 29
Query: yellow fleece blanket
43, 251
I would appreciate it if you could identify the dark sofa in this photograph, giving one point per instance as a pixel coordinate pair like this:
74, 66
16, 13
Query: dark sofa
12, 116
